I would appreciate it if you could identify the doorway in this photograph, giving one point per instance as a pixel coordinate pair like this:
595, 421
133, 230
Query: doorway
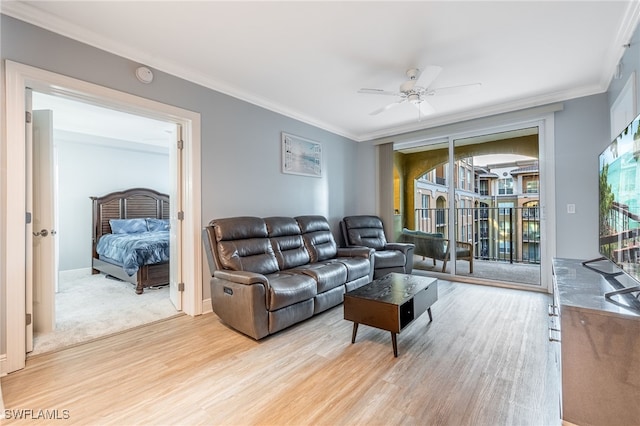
96, 151
188, 273
443, 191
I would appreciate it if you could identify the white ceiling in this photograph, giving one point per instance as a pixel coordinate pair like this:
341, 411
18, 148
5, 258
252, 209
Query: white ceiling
307, 60
111, 126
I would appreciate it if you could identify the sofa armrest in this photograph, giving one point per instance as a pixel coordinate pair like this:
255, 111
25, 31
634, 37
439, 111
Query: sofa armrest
464, 244
461, 245
406, 248
355, 251
239, 298
242, 277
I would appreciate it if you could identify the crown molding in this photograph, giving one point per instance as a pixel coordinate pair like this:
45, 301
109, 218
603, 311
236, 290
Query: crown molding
32, 15
27, 13
621, 42
486, 111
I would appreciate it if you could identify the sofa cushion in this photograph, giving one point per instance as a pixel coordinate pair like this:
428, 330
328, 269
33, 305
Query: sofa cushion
243, 245
357, 267
327, 274
286, 241
317, 237
287, 289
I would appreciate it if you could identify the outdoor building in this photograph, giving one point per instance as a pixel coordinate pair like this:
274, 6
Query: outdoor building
496, 207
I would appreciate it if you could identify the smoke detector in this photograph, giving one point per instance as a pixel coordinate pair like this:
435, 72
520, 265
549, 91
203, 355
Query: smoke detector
144, 74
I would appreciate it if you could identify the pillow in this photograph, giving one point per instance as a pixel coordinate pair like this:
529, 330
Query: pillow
155, 225
128, 226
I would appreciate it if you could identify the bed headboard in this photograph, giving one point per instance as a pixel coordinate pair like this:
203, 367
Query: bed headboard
129, 204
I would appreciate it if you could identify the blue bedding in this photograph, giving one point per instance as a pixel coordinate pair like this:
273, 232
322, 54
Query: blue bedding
134, 250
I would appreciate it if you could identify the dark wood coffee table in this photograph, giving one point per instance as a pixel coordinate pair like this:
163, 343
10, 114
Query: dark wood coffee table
390, 303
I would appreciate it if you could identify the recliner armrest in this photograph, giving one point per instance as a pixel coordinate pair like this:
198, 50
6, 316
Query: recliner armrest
356, 251
403, 247
242, 277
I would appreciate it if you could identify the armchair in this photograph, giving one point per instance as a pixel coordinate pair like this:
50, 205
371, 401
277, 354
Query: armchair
435, 246
368, 231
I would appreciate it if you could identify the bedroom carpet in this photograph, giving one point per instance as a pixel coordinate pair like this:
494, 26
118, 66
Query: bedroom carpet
93, 306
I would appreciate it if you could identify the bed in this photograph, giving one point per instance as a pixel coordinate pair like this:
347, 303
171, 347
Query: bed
138, 250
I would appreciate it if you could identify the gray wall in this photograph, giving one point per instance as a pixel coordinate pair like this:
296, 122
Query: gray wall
240, 142
581, 133
81, 176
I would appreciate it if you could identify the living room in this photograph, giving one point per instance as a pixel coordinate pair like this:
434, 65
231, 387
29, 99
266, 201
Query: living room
241, 157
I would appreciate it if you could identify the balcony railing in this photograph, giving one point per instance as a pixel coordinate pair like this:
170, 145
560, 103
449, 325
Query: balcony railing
510, 234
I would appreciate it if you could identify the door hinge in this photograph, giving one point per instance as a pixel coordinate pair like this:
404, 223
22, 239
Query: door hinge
27, 117
180, 286
180, 215
28, 319
180, 144
28, 218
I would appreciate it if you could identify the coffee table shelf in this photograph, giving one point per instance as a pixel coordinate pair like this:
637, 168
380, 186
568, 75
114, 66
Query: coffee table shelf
390, 303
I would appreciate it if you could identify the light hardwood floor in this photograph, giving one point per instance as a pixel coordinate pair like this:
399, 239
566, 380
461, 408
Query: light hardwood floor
484, 360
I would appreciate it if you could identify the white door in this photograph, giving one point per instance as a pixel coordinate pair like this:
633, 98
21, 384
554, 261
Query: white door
45, 274
29, 222
176, 285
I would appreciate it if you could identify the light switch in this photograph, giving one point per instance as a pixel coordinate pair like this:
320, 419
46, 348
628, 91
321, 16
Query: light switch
571, 208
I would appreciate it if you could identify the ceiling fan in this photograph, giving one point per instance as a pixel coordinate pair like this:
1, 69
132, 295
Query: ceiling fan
417, 88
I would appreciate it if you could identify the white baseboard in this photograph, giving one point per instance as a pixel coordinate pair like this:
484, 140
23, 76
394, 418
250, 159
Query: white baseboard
72, 274
3, 365
206, 306
2, 412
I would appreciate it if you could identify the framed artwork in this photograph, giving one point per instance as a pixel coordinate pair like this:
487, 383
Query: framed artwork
301, 156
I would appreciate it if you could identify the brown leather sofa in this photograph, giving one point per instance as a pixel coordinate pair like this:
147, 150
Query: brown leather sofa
270, 273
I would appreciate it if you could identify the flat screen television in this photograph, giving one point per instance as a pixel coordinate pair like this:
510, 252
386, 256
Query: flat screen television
619, 211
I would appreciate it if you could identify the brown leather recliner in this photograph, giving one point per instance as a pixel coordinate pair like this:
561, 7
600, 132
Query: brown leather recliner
368, 231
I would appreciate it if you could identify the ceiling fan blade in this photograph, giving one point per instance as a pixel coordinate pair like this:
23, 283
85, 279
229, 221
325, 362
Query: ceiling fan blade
455, 90
428, 75
378, 92
425, 108
385, 108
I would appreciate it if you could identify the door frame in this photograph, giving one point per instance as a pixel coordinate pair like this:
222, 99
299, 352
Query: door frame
12, 192
540, 117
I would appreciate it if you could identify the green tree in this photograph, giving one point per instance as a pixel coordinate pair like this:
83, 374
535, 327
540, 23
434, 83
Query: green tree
606, 200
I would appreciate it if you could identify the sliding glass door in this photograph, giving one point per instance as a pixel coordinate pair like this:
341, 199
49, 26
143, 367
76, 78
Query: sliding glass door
478, 199
497, 206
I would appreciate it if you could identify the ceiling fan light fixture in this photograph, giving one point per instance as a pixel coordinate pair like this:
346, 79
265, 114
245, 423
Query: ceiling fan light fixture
407, 86
414, 98
417, 88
